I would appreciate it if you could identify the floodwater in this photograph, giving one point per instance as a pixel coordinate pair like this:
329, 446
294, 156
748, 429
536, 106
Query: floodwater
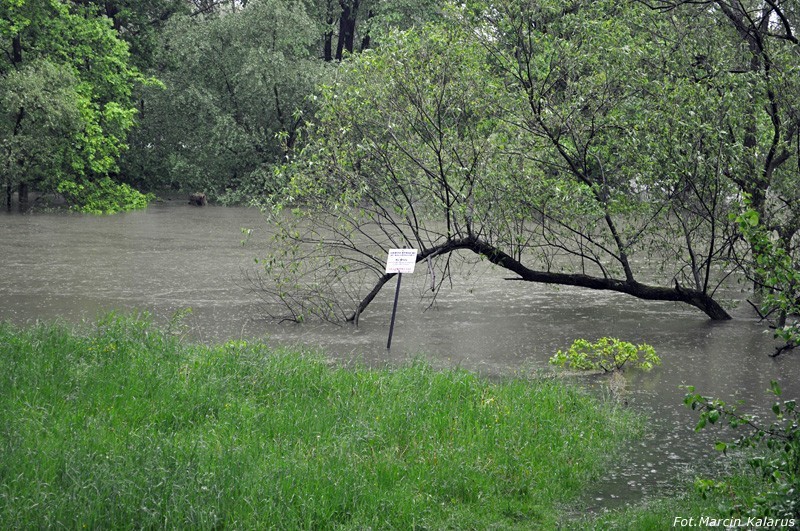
172, 256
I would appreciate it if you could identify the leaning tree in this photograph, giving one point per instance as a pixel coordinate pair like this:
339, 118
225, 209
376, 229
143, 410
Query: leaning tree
533, 138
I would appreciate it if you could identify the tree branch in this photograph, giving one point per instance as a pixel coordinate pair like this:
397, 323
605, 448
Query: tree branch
693, 297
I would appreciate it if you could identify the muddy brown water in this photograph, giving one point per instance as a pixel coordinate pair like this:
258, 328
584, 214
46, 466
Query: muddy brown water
172, 256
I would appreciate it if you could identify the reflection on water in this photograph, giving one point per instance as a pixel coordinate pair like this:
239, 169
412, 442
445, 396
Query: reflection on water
172, 256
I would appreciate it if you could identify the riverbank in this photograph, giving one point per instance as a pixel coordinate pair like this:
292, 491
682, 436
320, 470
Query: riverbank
119, 425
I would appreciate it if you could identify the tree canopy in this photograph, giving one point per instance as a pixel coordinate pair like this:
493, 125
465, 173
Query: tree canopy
239, 78
66, 107
235, 88
594, 144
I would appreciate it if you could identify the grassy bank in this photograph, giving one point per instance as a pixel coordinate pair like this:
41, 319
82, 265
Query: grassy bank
121, 426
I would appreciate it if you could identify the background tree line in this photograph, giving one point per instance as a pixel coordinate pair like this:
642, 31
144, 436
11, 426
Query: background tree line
183, 94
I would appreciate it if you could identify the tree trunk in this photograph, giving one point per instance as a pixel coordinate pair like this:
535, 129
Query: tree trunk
351, 27
16, 49
112, 12
693, 297
365, 41
22, 192
8, 197
347, 27
330, 19
328, 46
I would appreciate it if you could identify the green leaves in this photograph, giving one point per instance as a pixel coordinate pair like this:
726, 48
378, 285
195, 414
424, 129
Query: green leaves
606, 354
65, 109
39, 116
749, 218
407, 130
103, 196
778, 274
779, 465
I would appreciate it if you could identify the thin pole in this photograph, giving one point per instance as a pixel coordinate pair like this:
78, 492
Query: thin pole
394, 310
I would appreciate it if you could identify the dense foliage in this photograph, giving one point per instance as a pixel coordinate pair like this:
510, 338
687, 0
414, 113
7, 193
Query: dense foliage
605, 145
66, 81
233, 99
102, 196
238, 84
777, 273
608, 145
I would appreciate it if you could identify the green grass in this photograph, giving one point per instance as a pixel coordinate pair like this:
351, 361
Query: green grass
119, 425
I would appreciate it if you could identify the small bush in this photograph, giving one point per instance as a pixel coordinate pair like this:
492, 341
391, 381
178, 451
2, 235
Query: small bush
607, 354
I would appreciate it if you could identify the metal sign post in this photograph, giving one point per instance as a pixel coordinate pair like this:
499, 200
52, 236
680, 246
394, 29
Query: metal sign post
394, 311
399, 261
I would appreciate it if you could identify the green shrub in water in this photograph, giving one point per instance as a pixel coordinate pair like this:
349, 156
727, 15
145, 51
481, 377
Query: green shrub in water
607, 354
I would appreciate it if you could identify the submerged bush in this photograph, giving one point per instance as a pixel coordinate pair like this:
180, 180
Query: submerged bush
103, 196
607, 354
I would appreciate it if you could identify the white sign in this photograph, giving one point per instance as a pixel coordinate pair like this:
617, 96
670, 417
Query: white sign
401, 261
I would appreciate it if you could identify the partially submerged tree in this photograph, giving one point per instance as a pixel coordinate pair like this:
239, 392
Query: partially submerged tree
758, 45
40, 112
400, 156
519, 141
602, 110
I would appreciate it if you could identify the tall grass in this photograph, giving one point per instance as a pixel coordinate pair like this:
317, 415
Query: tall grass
121, 426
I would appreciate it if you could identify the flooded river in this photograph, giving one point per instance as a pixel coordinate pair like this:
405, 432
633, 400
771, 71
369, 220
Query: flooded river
173, 256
